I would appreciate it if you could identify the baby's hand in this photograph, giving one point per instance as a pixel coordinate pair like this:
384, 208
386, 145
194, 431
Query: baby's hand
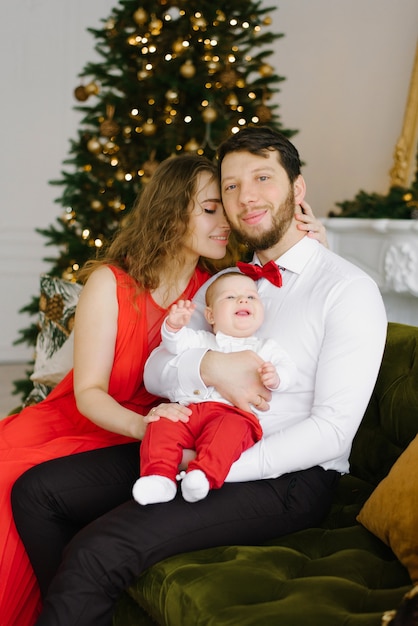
269, 376
180, 314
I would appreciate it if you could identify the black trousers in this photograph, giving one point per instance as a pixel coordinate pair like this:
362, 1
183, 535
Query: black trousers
119, 538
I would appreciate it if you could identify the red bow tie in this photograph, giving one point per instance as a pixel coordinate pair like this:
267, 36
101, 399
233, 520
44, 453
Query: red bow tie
270, 271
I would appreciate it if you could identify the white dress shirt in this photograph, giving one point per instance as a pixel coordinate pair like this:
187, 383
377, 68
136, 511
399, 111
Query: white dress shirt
330, 318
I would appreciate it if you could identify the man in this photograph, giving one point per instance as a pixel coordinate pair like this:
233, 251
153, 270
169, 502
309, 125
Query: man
329, 316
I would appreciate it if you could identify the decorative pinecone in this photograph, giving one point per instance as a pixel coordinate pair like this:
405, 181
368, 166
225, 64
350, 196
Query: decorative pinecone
53, 307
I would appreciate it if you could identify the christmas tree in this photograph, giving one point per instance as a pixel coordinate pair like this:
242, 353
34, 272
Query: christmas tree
174, 76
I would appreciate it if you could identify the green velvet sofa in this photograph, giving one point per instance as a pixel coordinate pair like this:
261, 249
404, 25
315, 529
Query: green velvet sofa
339, 574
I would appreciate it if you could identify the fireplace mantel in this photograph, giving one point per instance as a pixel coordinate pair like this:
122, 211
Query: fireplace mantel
388, 251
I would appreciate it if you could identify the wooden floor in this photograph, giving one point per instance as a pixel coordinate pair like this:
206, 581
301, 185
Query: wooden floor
8, 373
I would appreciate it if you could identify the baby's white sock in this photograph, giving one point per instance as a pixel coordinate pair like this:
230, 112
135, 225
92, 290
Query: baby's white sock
152, 489
194, 486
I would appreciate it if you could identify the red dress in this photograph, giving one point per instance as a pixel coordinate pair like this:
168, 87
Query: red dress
55, 428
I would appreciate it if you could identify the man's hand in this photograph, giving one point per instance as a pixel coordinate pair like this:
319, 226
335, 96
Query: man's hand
236, 377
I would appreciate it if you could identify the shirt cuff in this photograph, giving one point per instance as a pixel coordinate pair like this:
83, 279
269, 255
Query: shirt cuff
189, 372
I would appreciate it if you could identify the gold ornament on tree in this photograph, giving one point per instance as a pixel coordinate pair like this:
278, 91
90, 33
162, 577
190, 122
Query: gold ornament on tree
209, 114
263, 113
265, 70
188, 70
192, 145
96, 205
94, 146
110, 24
143, 74
228, 78
198, 22
232, 100
140, 16
213, 66
178, 46
155, 26
172, 95
149, 128
92, 89
110, 148
149, 167
80, 93
120, 175
109, 128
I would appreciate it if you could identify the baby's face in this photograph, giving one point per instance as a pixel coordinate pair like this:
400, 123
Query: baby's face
236, 308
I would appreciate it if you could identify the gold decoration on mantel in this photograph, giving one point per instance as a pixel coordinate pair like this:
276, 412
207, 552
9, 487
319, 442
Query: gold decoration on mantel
405, 154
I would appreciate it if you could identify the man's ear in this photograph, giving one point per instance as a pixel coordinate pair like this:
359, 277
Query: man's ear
299, 189
208, 315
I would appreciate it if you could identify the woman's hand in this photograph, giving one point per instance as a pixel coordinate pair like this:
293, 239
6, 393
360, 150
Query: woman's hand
170, 410
310, 224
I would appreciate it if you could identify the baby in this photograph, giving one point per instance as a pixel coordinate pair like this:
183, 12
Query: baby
218, 431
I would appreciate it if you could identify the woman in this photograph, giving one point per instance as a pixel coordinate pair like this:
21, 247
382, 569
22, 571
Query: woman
154, 260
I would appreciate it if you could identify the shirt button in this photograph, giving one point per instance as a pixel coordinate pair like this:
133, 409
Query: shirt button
196, 392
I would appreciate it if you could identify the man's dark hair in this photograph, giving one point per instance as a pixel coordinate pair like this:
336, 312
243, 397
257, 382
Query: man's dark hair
259, 140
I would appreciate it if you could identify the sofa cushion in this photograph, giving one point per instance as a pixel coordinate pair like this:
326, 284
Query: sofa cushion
52, 370
57, 303
391, 419
318, 577
391, 512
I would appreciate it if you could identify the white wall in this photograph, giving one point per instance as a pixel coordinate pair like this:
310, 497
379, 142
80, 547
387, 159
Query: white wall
347, 66
43, 46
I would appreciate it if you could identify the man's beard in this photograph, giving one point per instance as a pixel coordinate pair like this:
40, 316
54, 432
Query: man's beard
282, 220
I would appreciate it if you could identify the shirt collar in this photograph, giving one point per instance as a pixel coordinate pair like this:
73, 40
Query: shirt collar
225, 341
297, 257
